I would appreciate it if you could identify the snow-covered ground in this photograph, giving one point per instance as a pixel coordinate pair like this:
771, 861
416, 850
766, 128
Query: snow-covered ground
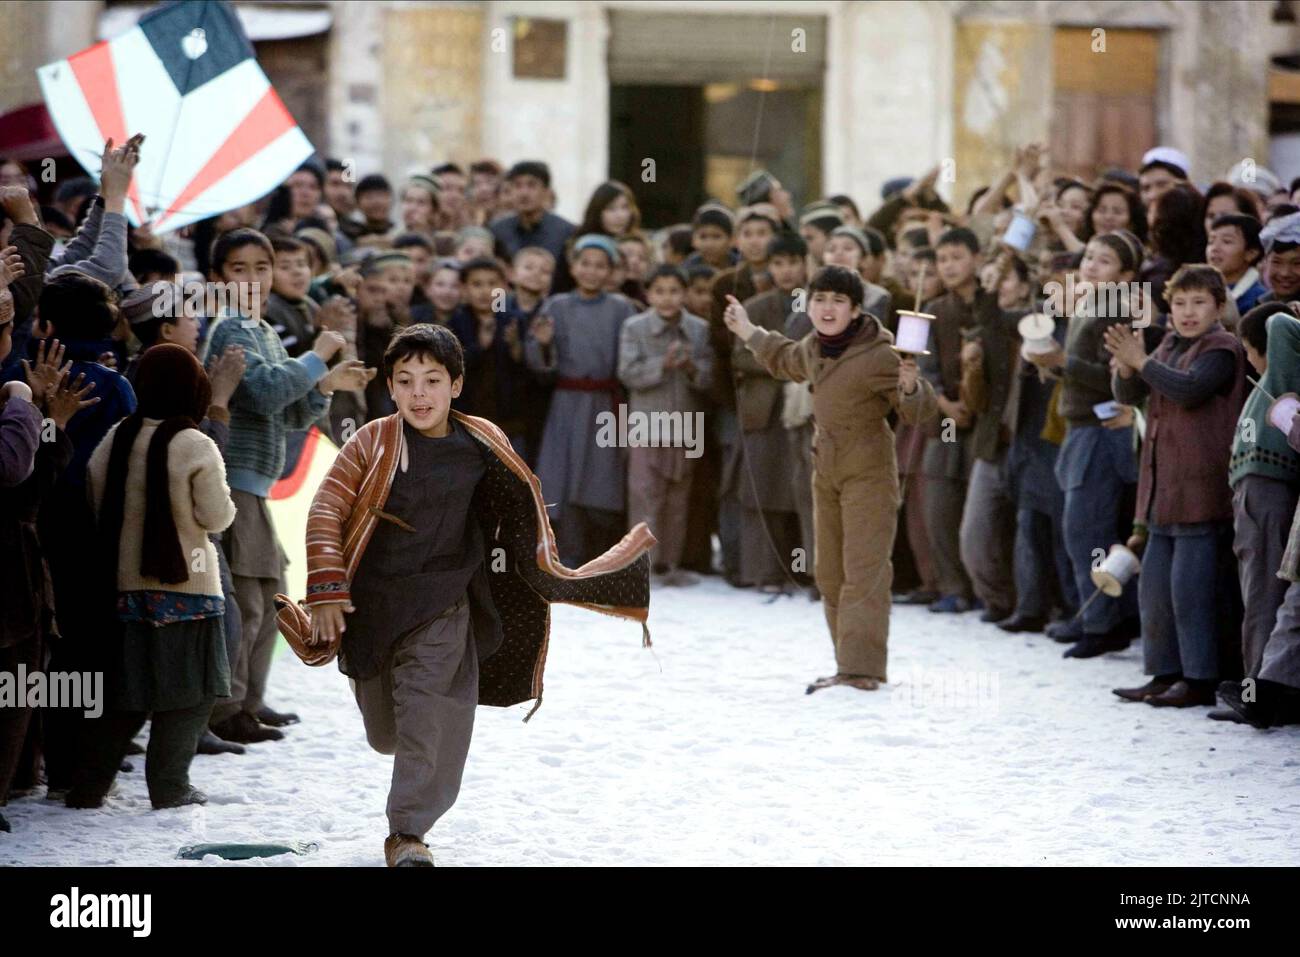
984, 748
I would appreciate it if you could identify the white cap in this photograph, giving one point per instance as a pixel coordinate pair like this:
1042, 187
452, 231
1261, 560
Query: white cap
1169, 155
1257, 178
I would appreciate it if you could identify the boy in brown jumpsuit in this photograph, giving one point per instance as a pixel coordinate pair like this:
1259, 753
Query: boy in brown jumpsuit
857, 379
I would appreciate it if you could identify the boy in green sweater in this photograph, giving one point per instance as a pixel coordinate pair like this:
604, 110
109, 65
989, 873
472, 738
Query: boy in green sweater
278, 394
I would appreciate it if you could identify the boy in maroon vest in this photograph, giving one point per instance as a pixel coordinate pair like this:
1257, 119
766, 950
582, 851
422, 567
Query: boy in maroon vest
1194, 383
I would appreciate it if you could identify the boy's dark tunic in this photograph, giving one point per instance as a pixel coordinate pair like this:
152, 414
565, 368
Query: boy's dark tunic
410, 576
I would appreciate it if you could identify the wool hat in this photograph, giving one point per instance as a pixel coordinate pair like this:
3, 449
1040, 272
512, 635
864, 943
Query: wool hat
1166, 156
1283, 229
895, 185
323, 241
855, 234
714, 214
147, 303
1258, 179
823, 215
764, 211
599, 241
425, 182
756, 187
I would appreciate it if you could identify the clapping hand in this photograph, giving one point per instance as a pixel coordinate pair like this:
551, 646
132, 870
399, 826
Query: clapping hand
1127, 347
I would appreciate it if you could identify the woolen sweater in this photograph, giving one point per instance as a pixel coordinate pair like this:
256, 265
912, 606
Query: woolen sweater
278, 394
200, 500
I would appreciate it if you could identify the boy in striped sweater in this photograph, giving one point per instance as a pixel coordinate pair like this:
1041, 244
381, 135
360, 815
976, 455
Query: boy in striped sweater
278, 393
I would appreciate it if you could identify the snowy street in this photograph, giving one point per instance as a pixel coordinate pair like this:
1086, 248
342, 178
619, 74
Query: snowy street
984, 749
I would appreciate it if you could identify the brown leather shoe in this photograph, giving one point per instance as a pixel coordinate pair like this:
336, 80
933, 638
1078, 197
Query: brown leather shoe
1184, 694
1157, 685
404, 850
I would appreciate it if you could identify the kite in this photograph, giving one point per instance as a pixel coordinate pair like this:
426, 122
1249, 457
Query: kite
186, 77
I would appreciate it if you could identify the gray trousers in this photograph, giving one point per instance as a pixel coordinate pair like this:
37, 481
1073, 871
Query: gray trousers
1262, 509
249, 672
420, 709
944, 504
1281, 657
988, 532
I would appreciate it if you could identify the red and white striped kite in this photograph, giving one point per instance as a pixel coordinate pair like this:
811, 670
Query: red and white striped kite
216, 134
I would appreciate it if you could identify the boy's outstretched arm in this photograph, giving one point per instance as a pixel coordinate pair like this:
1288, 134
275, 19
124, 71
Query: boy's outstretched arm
775, 353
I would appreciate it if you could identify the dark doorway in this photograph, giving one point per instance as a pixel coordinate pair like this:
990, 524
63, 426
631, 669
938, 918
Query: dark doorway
664, 124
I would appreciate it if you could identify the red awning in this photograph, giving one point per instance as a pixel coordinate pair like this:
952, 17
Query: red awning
28, 134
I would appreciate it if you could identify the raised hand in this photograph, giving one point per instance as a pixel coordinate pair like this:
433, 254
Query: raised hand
349, 375
543, 330
117, 168
327, 345
45, 375
17, 203
69, 399
12, 267
737, 319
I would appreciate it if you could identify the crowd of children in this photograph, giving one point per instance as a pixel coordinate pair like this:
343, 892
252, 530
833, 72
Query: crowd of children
990, 472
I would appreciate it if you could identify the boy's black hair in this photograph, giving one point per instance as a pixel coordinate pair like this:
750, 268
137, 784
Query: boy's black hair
80, 308
960, 236
485, 166
311, 167
427, 342
843, 199
667, 270
924, 252
680, 240
534, 168
334, 165
1283, 209
787, 244
1168, 167
1249, 226
76, 188
288, 244
699, 271
409, 240
838, 279
479, 264
447, 168
53, 216
145, 262
233, 239
1197, 276
875, 240
312, 222
917, 236
374, 183
1253, 326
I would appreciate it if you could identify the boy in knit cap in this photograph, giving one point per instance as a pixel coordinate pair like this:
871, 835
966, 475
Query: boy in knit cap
278, 394
574, 343
858, 379
711, 232
816, 222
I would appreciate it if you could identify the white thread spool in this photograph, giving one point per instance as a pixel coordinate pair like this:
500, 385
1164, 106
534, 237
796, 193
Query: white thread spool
913, 332
1116, 571
1282, 412
1036, 329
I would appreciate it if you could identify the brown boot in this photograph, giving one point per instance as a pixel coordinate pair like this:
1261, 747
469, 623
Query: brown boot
404, 850
1185, 694
1157, 685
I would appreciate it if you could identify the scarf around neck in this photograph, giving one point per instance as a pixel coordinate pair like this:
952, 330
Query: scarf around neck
833, 346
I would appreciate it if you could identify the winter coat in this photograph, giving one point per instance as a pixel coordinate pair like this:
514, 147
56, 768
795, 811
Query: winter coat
512, 513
